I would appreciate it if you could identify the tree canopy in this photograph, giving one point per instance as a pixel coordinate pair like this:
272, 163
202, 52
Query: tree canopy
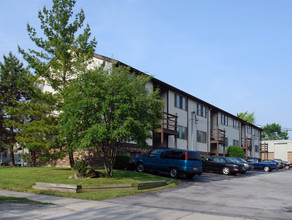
249, 117
106, 108
63, 48
274, 132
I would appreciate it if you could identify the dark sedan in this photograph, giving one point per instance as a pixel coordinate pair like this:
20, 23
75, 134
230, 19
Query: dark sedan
222, 165
246, 165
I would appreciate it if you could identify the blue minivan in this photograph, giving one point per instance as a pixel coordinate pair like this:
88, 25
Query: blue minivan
173, 161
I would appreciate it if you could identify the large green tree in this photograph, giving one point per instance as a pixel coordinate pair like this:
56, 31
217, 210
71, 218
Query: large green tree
274, 132
15, 88
65, 46
249, 117
106, 108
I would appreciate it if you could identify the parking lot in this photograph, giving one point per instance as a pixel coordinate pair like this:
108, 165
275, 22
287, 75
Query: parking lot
254, 195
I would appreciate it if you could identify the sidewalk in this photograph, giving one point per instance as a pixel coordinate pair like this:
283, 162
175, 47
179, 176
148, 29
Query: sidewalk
68, 208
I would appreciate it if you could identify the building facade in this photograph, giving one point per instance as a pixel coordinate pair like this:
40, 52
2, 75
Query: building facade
193, 124
277, 149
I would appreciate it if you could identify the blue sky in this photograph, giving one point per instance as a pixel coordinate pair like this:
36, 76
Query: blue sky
236, 55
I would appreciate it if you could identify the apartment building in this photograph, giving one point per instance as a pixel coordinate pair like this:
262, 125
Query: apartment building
193, 124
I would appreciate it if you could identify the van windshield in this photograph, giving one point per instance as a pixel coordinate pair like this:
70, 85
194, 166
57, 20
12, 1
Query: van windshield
192, 155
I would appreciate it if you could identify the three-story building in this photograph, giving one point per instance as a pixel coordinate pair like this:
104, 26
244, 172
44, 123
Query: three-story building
193, 124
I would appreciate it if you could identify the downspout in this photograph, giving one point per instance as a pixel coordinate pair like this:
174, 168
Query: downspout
208, 132
187, 107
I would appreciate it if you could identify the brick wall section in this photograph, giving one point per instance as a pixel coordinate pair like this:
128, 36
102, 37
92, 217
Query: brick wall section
289, 157
270, 156
91, 157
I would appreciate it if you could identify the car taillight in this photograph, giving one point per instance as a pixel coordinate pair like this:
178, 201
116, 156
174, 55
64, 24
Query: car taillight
276, 164
186, 155
249, 164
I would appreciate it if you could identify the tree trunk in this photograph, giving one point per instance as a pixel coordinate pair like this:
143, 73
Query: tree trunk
71, 158
33, 159
11, 149
11, 156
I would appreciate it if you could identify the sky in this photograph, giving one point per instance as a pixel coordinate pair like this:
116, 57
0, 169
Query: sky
236, 55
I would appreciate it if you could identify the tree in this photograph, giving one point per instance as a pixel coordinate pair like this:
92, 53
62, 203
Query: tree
15, 88
249, 117
39, 128
62, 51
235, 151
106, 108
274, 132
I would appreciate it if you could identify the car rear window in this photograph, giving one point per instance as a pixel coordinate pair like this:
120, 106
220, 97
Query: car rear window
173, 154
193, 155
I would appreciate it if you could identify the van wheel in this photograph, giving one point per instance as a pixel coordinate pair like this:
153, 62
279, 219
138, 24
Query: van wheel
267, 169
226, 171
140, 167
173, 172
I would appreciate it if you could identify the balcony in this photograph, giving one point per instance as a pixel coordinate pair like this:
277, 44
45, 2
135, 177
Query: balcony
264, 153
168, 124
246, 145
218, 138
168, 127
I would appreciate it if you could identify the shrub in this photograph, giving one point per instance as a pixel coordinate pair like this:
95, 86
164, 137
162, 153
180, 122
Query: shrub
235, 151
122, 161
81, 168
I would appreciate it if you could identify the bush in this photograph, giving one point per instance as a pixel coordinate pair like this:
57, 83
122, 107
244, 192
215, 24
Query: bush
81, 168
122, 161
235, 151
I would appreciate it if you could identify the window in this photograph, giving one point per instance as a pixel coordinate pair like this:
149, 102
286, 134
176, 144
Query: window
201, 137
224, 119
180, 102
226, 142
182, 132
173, 154
236, 124
154, 153
256, 132
219, 159
257, 149
235, 143
201, 110
248, 129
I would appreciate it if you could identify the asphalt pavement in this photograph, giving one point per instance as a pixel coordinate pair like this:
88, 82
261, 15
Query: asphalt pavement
255, 195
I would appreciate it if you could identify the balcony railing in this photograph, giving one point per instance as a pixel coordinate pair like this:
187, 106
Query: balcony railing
218, 136
246, 143
168, 123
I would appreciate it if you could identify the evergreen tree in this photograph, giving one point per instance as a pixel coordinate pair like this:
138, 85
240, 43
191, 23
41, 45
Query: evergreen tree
39, 128
63, 50
15, 88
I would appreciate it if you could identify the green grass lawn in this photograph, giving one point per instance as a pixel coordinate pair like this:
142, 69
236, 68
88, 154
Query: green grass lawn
23, 178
